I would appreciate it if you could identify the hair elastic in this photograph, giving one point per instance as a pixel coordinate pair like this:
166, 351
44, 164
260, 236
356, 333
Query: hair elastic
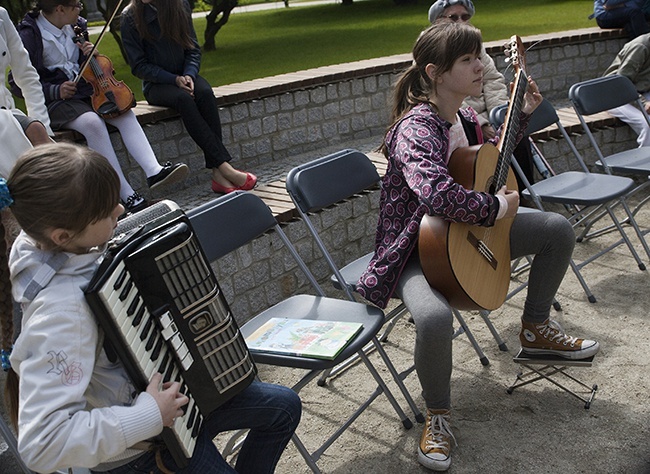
4, 359
5, 196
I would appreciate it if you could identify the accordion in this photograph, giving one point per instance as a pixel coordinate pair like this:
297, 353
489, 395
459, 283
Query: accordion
159, 304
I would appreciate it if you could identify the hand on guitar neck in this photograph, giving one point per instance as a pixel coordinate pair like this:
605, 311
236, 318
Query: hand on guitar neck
532, 97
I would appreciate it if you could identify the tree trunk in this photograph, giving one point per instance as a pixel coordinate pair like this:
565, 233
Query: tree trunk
212, 27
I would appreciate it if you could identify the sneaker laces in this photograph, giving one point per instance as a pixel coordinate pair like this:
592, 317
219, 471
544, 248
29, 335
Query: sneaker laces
439, 433
552, 331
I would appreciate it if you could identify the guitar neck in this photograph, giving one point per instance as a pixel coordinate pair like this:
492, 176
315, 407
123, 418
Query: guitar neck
507, 141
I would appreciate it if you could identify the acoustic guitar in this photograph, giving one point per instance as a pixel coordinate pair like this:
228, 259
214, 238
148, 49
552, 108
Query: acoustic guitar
469, 264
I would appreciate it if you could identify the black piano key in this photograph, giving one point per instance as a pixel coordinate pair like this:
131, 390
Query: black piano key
156, 350
133, 306
139, 314
152, 340
147, 327
127, 288
163, 364
168, 373
192, 417
120, 279
196, 428
185, 391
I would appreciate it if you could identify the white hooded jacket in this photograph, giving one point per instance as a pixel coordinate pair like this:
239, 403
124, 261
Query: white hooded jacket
76, 408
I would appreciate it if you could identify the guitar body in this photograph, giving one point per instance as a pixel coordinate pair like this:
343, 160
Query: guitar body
468, 264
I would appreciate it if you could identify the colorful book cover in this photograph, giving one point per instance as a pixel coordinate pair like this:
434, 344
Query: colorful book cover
303, 337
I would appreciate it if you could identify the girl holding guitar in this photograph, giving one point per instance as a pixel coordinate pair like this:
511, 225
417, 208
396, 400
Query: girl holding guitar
428, 125
57, 52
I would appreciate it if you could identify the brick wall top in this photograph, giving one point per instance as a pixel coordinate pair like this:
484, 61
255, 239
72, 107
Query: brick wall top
275, 85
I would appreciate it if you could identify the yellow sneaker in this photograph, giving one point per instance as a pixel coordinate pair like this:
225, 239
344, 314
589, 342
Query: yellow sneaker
435, 452
549, 338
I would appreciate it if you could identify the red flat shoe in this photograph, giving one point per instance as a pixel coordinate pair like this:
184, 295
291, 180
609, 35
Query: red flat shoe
219, 188
251, 181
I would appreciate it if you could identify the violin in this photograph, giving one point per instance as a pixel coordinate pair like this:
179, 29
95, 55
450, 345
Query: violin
111, 98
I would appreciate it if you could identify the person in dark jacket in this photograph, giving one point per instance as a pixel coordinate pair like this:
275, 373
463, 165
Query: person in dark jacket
627, 14
57, 53
162, 50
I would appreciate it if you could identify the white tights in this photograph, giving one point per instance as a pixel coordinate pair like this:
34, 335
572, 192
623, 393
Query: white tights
93, 128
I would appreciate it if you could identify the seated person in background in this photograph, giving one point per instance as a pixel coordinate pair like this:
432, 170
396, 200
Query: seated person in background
633, 62
162, 50
627, 14
48, 35
495, 91
35, 125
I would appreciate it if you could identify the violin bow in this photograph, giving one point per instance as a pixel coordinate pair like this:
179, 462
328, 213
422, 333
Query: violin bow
101, 35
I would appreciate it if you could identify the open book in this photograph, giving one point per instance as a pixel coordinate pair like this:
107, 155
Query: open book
303, 337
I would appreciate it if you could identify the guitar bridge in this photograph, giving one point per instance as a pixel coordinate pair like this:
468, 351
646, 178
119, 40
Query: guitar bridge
483, 249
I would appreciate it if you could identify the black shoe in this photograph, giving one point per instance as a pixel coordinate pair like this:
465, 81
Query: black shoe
134, 203
171, 173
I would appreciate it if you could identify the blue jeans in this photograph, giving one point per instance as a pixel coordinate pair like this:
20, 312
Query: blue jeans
272, 413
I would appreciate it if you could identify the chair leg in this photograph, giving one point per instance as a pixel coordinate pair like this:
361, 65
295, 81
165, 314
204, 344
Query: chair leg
419, 417
482, 357
497, 337
581, 280
305, 454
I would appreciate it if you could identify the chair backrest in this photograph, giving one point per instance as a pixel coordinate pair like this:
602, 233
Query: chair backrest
226, 223
602, 93
330, 179
326, 181
544, 116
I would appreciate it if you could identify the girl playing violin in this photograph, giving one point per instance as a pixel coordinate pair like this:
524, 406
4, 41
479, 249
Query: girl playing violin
57, 54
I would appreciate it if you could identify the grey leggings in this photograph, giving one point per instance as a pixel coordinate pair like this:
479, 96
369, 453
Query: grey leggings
547, 236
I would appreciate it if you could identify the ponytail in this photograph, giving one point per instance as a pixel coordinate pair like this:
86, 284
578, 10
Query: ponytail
440, 45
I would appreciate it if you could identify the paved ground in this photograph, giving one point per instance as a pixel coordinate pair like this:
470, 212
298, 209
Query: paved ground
538, 428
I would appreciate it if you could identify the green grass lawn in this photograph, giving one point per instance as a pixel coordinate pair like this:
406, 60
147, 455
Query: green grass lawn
267, 43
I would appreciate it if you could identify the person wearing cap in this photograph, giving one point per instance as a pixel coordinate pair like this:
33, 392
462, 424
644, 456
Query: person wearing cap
495, 90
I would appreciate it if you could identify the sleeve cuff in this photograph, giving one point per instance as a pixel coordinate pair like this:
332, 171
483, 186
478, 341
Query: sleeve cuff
503, 206
140, 421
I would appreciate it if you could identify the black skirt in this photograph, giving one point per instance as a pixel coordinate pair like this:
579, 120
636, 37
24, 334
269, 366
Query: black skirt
63, 111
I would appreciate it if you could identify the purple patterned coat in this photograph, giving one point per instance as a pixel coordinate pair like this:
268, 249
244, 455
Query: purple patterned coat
417, 182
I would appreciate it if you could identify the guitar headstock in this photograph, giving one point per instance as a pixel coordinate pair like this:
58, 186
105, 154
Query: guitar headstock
515, 52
